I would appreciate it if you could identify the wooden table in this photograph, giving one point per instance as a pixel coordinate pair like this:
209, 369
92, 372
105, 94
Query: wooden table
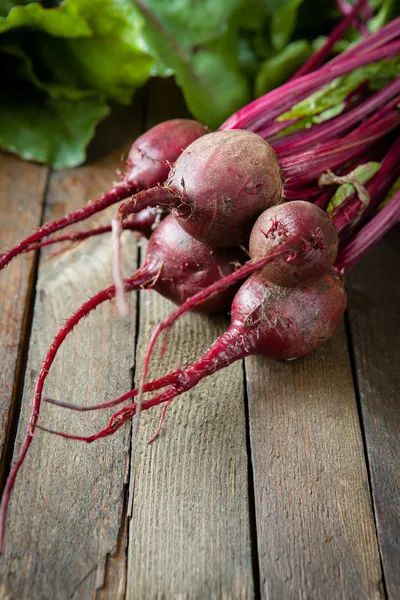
269, 480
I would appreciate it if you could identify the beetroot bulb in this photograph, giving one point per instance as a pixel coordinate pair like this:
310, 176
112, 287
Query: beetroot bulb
316, 253
267, 320
148, 165
182, 266
217, 187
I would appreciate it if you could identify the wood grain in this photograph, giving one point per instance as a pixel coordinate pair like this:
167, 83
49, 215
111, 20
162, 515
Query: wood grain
315, 528
21, 203
67, 507
189, 533
374, 319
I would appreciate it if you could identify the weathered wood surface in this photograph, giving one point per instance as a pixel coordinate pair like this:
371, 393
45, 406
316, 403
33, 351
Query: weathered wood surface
315, 527
66, 510
374, 317
21, 199
189, 533
298, 524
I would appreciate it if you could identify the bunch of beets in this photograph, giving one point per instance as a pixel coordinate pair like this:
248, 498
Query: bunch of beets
257, 201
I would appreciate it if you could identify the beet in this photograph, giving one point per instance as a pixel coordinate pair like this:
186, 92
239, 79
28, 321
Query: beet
218, 187
287, 323
188, 266
297, 220
153, 153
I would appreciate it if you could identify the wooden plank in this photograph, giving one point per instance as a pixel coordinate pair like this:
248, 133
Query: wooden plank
374, 318
68, 503
189, 534
20, 214
315, 528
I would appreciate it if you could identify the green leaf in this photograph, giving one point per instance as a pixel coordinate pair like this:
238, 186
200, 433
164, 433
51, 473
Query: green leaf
388, 9
276, 70
56, 131
192, 23
213, 88
64, 22
22, 68
7, 5
363, 173
283, 23
110, 67
252, 14
113, 62
97, 45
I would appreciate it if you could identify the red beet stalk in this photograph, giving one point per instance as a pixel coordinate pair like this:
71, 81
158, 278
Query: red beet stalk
369, 235
352, 212
143, 223
308, 165
346, 8
264, 110
120, 191
318, 57
335, 128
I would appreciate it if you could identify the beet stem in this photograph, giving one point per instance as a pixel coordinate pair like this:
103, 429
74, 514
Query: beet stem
274, 103
369, 235
151, 386
153, 197
77, 236
156, 196
358, 22
309, 164
119, 192
350, 213
335, 128
318, 57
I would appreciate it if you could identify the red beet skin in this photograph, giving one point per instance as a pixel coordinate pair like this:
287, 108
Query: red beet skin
286, 323
152, 154
295, 242
218, 187
187, 266
317, 243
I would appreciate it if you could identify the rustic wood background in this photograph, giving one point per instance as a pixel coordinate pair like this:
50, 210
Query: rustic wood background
269, 480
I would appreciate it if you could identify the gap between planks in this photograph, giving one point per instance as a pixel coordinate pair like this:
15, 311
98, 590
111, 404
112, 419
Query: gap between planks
24, 186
